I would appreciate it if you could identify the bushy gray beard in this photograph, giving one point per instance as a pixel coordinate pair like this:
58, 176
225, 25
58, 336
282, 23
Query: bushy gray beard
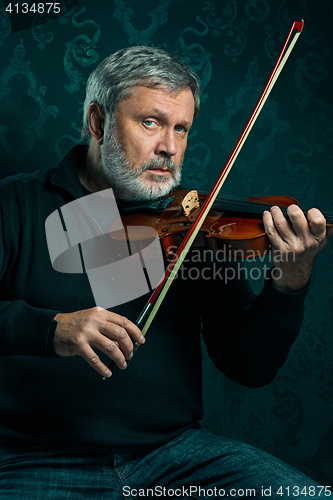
125, 179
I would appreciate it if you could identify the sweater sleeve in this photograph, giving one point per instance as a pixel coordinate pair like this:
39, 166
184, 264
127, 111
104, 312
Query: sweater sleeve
248, 337
24, 330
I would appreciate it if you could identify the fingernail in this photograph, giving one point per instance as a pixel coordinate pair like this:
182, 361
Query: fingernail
274, 208
142, 339
265, 212
107, 374
130, 355
124, 366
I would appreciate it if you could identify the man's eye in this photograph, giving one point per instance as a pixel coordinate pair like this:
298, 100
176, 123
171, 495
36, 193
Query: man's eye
179, 128
149, 123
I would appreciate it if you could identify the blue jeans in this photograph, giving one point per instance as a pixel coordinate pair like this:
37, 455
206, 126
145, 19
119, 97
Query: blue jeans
197, 464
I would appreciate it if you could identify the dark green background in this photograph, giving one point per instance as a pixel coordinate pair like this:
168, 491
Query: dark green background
232, 45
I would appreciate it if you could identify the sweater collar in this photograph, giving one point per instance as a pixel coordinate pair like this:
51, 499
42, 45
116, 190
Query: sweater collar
66, 174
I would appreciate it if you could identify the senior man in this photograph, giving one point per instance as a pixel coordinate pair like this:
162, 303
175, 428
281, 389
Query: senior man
66, 433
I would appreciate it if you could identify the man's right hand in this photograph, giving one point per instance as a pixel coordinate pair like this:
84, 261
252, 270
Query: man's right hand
80, 332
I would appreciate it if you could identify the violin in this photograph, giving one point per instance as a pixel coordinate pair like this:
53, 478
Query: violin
232, 227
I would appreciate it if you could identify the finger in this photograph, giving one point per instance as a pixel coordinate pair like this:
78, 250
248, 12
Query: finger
110, 348
132, 330
89, 355
118, 328
272, 232
317, 223
300, 225
284, 229
114, 332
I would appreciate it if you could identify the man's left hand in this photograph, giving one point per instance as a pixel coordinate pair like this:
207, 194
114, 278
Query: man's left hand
295, 244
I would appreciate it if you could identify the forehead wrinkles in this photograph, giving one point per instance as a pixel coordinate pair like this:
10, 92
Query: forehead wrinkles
147, 101
165, 116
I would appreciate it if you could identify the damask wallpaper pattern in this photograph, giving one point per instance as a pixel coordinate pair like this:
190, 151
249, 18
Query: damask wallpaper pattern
232, 45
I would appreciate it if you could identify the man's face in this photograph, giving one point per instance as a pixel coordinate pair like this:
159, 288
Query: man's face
142, 154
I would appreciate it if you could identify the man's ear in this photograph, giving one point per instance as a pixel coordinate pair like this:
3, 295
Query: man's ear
96, 122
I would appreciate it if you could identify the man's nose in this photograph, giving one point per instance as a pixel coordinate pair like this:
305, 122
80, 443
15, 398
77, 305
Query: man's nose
167, 145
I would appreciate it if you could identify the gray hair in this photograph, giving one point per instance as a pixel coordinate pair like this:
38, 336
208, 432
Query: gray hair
144, 66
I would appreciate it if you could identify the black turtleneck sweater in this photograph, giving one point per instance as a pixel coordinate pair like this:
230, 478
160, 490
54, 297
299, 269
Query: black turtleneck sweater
53, 401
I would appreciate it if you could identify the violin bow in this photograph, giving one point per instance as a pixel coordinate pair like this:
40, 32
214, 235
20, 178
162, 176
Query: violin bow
149, 311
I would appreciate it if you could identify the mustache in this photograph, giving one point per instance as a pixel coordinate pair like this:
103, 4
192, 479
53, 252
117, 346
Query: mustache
159, 163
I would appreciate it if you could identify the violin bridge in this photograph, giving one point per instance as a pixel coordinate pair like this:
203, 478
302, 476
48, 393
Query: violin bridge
190, 203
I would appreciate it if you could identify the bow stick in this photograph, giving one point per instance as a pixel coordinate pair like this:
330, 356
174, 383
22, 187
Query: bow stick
153, 304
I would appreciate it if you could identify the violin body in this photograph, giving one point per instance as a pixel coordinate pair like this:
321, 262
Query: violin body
235, 233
